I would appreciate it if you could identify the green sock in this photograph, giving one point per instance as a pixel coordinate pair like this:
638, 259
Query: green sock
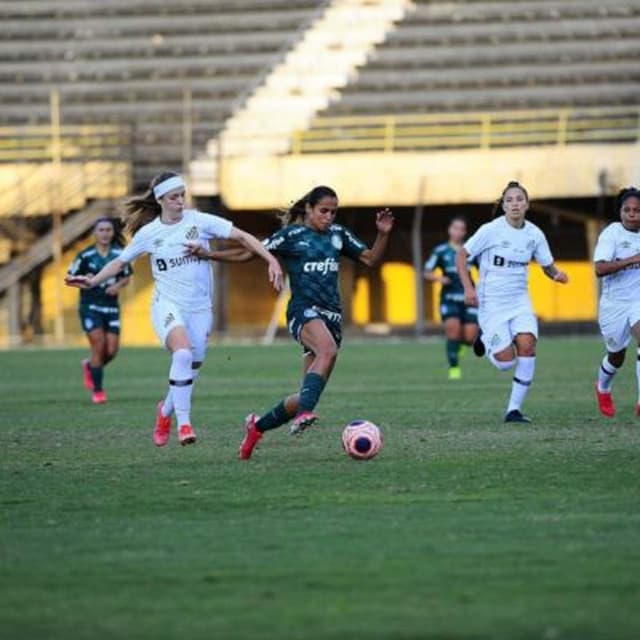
312, 387
96, 377
274, 418
453, 347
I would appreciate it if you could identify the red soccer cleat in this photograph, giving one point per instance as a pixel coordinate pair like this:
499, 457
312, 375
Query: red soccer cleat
302, 422
162, 430
251, 437
605, 403
99, 397
638, 409
86, 375
186, 434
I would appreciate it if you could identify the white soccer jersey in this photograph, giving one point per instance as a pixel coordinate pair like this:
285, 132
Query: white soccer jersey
504, 253
616, 243
180, 278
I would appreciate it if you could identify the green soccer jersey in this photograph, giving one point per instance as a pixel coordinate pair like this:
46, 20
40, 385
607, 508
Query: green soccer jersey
312, 260
89, 262
444, 258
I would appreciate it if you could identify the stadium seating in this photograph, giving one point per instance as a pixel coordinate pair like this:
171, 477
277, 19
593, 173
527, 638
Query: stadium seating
130, 61
503, 54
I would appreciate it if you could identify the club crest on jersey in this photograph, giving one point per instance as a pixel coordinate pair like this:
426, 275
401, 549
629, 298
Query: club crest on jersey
505, 243
625, 244
192, 234
336, 241
531, 245
157, 243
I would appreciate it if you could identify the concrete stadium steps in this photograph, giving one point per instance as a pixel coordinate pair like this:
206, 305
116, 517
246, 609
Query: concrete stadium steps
502, 54
129, 62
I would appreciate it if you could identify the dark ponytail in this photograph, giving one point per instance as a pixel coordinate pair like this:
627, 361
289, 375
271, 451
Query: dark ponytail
497, 207
296, 212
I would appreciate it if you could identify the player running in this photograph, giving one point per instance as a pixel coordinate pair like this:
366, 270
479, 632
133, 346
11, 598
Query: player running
99, 308
181, 303
460, 320
617, 262
310, 245
504, 247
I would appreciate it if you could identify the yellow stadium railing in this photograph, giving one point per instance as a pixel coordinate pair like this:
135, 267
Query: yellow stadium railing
480, 130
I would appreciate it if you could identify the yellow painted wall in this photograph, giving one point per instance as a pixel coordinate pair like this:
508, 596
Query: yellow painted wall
577, 300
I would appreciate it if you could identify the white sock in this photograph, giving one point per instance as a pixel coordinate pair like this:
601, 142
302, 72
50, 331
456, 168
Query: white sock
167, 403
522, 379
181, 384
606, 373
500, 364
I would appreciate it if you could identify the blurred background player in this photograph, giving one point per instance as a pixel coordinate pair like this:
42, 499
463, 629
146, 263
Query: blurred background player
181, 305
460, 320
99, 307
617, 262
310, 244
505, 247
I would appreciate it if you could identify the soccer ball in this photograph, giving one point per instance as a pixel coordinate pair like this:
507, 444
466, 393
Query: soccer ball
361, 440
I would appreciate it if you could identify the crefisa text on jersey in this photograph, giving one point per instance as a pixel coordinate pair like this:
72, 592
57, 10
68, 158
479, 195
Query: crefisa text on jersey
323, 267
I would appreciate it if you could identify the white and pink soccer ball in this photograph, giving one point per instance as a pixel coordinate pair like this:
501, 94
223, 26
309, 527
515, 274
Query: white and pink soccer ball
361, 440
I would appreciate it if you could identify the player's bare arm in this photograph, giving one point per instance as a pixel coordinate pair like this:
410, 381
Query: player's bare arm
607, 267
115, 288
88, 282
431, 276
384, 224
553, 273
470, 295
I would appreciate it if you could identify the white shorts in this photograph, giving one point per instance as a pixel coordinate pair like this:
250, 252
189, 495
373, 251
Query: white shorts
500, 328
616, 320
166, 315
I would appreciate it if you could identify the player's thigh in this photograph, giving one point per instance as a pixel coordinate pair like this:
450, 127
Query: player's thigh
199, 325
469, 332
112, 343
316, 337
614, 321
169, 325
97, 339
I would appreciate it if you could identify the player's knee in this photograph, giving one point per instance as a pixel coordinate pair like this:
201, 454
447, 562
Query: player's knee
527, 350
616, 359
328, 352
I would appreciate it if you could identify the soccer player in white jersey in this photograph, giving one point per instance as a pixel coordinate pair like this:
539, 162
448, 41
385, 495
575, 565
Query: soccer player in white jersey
509, 328
617, 262
181, 305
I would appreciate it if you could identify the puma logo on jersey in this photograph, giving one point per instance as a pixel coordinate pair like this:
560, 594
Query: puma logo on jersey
323, 267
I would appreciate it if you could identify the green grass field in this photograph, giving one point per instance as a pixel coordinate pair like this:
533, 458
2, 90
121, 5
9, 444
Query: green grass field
461, 528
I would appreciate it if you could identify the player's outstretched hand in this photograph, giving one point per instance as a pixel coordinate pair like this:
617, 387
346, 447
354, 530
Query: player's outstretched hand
81, 282
561, 277
196, 249
275, 275
384, 220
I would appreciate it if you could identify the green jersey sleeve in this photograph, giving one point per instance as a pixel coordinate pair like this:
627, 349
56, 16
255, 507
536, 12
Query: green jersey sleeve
279, 243
352, 246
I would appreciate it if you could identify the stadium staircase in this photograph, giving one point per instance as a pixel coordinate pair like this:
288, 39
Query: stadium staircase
307, 79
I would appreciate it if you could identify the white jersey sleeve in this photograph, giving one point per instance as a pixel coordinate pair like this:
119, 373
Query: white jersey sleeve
212, 226
606, 246
480, 241
542, 252
136, 247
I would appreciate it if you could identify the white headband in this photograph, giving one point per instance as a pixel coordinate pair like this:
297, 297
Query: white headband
175, 182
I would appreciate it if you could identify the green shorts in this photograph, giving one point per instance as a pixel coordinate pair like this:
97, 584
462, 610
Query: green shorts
108, 321
299, 316
459, 310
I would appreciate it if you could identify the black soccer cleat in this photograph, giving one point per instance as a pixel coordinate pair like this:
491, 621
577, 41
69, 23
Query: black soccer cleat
516, 416
478, 346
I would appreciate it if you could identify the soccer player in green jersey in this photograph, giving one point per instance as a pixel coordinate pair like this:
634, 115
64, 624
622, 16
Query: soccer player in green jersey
310, 244
460, 320
99, 307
